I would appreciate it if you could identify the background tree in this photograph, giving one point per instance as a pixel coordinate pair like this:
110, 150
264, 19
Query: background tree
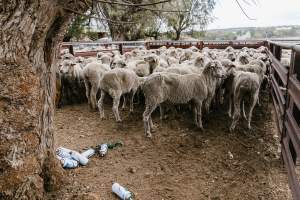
190, 14
76, 30
127, 22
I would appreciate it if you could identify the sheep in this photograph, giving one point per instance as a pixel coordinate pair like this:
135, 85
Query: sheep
173, 88
92, 74
117, 82
257, 67
71, 75
244, 83
153, 61
71, 69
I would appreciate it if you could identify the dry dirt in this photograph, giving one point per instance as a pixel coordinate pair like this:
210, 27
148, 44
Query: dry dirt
179, 162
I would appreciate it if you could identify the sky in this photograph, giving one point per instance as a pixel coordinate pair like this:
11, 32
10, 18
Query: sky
266, 13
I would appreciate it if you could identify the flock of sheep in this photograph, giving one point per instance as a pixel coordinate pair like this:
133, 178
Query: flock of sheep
168, 76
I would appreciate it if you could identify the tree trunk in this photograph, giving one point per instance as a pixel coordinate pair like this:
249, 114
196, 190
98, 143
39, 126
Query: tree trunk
177, 35
29, 37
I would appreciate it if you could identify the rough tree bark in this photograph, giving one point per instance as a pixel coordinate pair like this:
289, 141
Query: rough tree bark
29, 36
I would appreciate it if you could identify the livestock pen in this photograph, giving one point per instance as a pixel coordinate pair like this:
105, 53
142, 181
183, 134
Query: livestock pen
285, 92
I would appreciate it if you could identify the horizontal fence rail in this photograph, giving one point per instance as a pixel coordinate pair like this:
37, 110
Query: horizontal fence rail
285, 82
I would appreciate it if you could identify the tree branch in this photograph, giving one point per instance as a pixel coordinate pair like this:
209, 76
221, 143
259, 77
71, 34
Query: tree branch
90, 16
244, 10
133, 4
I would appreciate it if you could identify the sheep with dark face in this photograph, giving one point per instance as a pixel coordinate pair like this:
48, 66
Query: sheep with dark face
153, 61
243, 59
71, 76
173, 88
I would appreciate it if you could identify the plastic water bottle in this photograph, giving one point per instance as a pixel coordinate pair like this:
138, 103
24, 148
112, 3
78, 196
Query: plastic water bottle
88, 153
80, 158
103, 150
69, 163
63, 152
121, 192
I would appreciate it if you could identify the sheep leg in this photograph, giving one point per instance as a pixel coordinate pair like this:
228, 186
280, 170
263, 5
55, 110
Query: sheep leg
254, 101
230, 106
196, 115
244, 112
115, 107
100, 104
236, 113
258, 102
147, 117
151, 125
161, 111
199, 114
93, 97
131, 100
124, 102
87, 91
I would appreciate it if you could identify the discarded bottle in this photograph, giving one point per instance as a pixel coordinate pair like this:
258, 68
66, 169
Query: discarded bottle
63, 152
88, 153
103, 150
123, 193
113, 145
80, 158
69, 163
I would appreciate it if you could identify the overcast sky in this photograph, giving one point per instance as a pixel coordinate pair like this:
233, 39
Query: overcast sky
266, 13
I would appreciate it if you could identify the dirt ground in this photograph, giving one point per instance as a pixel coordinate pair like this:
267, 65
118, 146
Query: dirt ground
179, 162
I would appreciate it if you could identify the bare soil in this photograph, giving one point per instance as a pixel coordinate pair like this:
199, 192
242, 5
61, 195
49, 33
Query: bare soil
179, 162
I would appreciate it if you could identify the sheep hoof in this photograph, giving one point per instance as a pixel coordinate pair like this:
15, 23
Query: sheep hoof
148, 135
102, 117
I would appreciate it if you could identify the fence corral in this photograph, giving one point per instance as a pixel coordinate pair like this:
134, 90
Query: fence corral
286, 98
285, 90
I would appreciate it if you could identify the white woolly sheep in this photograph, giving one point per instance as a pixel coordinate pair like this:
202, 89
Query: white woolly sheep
173, 88
92, 75
117, 82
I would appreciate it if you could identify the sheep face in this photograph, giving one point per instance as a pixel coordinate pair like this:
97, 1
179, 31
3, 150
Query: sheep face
199, 61
118, 64
79, 59
243, 58
214, 68
67, 67
151, 59
231, 56
105, 59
